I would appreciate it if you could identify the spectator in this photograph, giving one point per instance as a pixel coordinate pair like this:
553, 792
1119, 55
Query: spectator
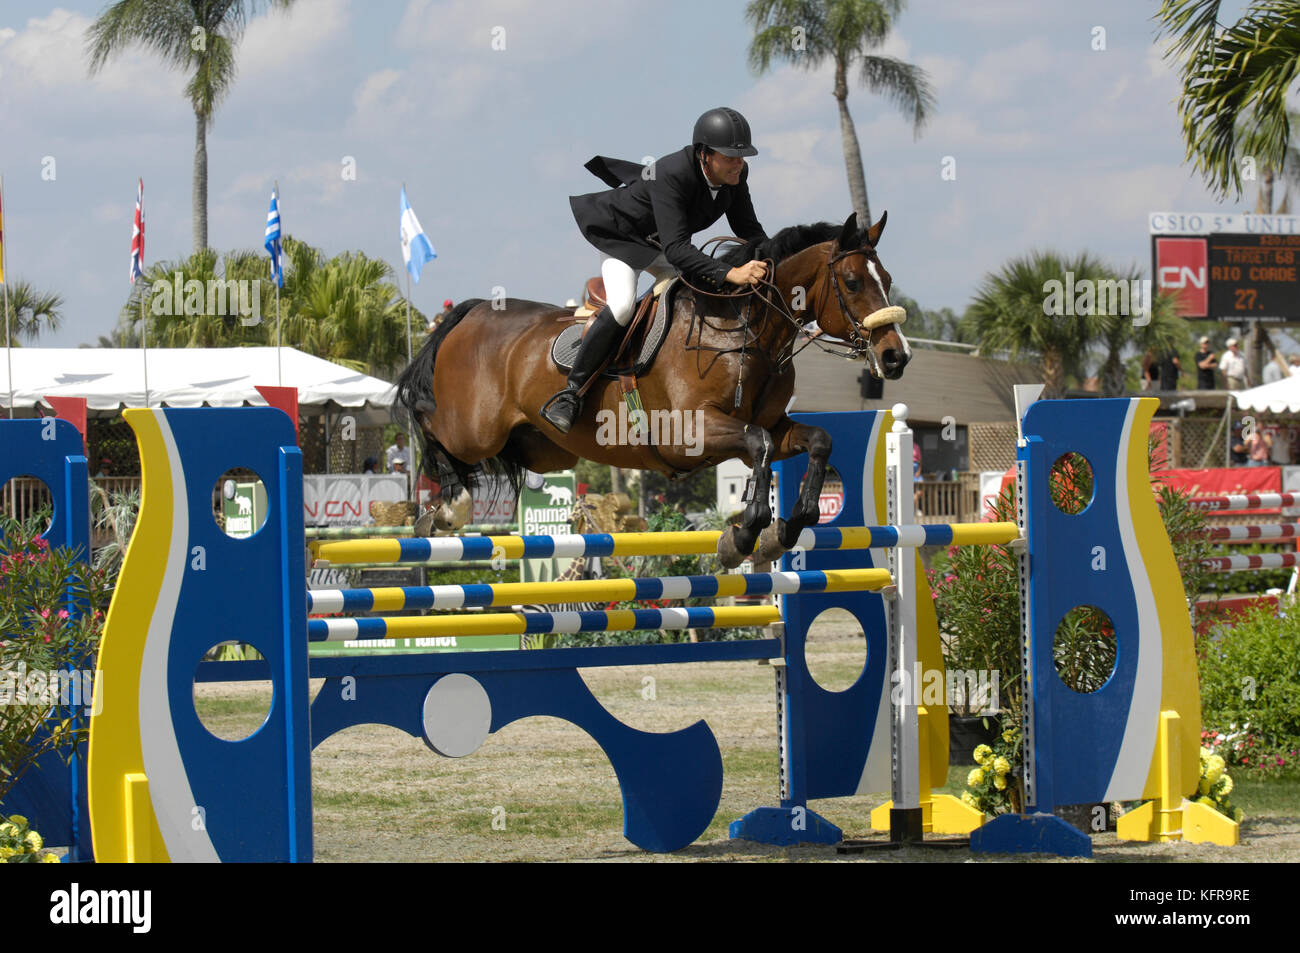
1233, 365
916, 477
398, 456
1170, 369
105, 468
1206, 362
1294, 361
1258, 449
1150, 371
371, 465
1275, 369
1238, 454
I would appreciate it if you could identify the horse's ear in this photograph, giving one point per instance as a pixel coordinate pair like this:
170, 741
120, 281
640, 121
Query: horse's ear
848, 239
874, 232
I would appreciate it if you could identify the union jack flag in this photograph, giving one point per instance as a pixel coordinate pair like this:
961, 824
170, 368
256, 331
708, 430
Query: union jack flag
137, 236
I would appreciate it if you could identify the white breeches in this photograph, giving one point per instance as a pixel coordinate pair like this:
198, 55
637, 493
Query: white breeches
620, 284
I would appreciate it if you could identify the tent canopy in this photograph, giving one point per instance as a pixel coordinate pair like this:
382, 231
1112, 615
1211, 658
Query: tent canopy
111, 379
1279, 397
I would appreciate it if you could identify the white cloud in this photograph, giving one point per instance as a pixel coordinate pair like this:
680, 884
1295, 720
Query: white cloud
292, 43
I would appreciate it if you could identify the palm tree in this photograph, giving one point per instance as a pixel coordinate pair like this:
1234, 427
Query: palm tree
210, 321
1235, 82
197, 36
807, 33
1009, 314
347, 309
30, 312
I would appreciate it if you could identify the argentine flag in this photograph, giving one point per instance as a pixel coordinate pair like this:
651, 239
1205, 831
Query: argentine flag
416, 247
273, 238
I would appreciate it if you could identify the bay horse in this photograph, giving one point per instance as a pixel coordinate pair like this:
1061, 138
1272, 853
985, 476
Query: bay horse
477, 385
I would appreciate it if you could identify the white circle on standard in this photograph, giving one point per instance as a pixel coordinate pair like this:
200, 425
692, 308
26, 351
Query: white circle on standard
457, 716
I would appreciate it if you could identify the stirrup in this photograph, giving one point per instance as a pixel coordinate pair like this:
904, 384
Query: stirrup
577, 409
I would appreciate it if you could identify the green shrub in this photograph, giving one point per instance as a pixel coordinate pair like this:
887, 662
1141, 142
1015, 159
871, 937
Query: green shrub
1250, 690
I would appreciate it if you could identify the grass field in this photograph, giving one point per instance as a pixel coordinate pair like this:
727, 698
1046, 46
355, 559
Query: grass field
381, 795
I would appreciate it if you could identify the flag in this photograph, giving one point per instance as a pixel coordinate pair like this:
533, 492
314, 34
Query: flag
416, 247
137, 235
273, 238
2, 233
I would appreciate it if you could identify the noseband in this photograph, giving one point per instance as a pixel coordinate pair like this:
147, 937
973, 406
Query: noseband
890, 314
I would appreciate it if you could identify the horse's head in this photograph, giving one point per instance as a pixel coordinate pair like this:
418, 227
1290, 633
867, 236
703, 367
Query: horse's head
857, 309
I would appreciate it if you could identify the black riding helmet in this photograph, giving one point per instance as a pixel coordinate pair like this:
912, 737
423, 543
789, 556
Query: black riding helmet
724, 130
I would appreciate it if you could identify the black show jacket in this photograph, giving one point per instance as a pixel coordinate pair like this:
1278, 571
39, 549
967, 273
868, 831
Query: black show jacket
664, 204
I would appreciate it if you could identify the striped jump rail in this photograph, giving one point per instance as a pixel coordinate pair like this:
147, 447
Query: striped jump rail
1257, 561
362, 532
594, 590
1246, 501
649, 544
1264, 532
540, 623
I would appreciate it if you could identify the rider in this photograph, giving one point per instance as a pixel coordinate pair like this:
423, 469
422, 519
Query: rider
645, 223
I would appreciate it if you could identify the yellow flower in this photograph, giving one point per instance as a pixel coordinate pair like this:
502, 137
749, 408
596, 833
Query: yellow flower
1204, 786
50, 858
18, 819
1237, 815
982, 752
975, 778
8, 830
1225, 785
34, 841
969, 799
1205, 755
1214, 769
1207, 801
1009, 736
7, 852
1001, 765
1000, 782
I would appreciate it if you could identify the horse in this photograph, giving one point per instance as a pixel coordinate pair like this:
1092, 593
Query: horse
477, 385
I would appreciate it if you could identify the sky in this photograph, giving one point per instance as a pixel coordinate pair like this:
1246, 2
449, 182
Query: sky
1054, 144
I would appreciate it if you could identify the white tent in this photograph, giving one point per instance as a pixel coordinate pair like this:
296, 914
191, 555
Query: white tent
111, 379
1278, 397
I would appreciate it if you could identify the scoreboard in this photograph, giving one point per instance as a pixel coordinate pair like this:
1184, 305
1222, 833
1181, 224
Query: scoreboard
1254, 277
1227, 267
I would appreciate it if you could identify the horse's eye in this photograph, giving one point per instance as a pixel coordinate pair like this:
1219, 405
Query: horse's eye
853, 284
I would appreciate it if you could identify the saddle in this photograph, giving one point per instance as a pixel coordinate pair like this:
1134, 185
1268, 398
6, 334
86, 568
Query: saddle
640, 344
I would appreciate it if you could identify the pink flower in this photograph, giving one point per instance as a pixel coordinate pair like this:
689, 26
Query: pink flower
63, 613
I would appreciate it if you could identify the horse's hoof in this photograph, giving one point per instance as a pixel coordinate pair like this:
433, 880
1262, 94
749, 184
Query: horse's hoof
728, 554
424, 526
770, 548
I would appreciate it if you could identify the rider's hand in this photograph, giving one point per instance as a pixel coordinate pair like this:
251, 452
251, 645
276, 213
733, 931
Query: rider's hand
750, 273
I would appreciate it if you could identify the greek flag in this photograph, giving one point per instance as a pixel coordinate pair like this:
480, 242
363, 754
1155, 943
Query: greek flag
416, 247
273, 238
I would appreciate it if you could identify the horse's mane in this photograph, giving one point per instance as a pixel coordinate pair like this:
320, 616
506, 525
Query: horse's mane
788, 241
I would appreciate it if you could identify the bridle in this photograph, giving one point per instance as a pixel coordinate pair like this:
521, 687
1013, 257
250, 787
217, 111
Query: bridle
857, 344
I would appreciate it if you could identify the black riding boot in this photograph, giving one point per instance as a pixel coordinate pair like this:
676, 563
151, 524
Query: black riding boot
603, 335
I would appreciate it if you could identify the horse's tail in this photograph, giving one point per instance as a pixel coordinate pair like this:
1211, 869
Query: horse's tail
415, 393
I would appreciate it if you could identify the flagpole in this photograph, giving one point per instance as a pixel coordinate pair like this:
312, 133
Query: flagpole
279, 370
4, 271
144, 349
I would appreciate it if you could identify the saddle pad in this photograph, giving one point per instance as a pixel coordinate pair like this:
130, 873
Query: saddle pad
565, 348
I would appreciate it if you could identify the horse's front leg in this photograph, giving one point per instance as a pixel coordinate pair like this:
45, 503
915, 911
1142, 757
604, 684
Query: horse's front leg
792, 439
737, 439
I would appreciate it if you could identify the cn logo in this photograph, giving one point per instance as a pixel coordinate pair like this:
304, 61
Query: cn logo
1174, 276
1182, 267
